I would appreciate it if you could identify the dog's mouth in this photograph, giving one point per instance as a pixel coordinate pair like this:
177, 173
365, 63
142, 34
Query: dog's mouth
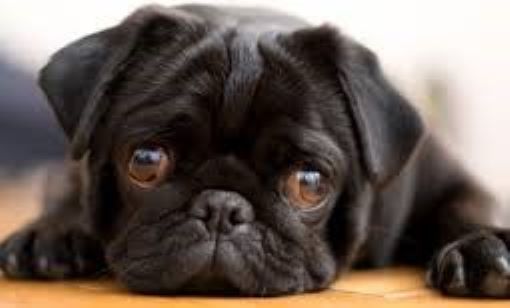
188, 260
215, 278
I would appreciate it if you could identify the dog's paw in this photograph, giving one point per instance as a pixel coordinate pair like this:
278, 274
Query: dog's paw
46, 252
476, 265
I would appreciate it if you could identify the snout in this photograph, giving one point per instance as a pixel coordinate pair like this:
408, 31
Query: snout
218, 241
222, 212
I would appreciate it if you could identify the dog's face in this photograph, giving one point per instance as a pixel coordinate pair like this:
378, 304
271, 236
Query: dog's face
223, 160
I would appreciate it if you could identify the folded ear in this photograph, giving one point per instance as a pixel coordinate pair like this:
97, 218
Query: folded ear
389, 129
77, 77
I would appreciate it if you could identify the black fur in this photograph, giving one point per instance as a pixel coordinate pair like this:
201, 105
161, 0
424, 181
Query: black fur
241, 95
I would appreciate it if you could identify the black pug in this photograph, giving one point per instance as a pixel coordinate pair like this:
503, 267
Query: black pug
229, 149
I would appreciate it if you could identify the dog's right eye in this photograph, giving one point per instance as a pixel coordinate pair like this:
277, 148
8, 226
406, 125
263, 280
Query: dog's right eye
305, 187
150, 165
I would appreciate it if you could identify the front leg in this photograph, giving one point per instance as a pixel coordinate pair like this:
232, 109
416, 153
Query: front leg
471, 255
477, 264
452, 229
57, 245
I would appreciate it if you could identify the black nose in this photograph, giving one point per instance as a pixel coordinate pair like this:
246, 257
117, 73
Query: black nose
221, 210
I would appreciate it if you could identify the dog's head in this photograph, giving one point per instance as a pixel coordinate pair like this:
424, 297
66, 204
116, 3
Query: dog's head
226, 156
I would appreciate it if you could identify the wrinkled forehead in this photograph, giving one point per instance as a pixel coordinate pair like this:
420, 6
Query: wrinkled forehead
232, 82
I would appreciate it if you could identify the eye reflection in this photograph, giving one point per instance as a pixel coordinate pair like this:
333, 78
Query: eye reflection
149, 166
306, 187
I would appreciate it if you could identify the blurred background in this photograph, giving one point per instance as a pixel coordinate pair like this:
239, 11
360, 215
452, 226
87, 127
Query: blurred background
451, 58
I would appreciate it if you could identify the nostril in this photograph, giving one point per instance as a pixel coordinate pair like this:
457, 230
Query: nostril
236, 217
231, 218
240, 216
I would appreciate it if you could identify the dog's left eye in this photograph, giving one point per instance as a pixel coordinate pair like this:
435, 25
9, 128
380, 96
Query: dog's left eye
305, 187
150, 165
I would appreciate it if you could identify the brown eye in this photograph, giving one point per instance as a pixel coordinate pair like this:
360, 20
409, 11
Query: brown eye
305, 188
149, 166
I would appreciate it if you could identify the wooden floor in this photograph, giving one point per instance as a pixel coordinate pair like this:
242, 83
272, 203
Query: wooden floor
397, 287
